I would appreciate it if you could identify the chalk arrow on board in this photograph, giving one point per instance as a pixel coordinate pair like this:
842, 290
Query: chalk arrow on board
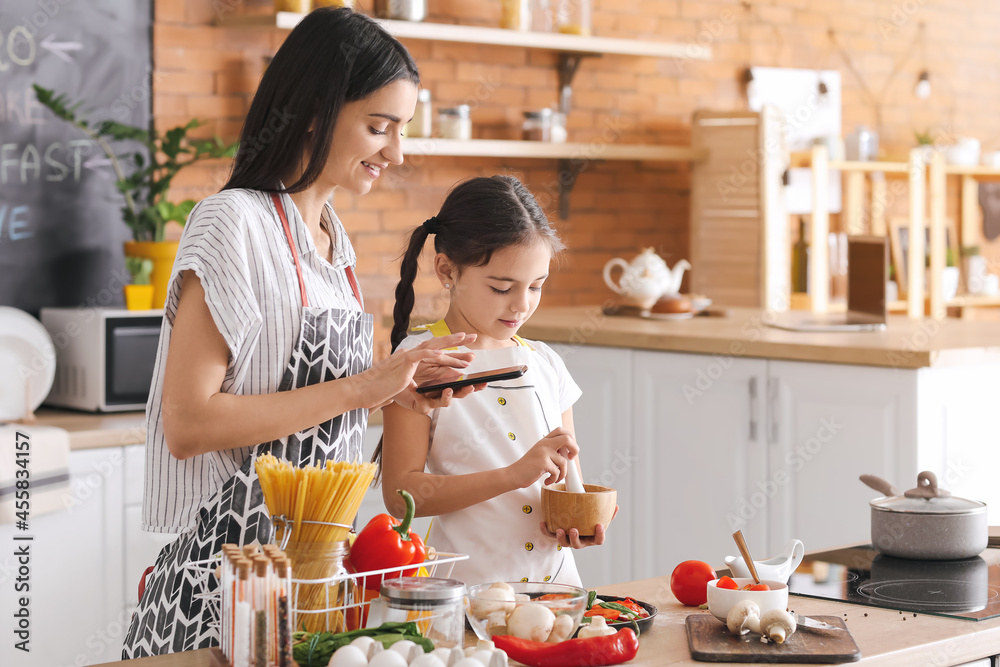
59, 49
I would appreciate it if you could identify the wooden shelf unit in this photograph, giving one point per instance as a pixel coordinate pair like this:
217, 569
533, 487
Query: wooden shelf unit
547, 41
548, 150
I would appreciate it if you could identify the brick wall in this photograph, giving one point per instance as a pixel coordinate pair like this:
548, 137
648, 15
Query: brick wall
210, 72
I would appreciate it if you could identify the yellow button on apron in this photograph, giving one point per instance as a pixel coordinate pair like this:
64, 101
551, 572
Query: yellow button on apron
526, 509
512, 436
524, 580
547, 577
559, 548
528, 546
502, 401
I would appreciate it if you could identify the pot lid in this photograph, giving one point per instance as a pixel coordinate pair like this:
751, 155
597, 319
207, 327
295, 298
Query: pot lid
927, 498
928, 505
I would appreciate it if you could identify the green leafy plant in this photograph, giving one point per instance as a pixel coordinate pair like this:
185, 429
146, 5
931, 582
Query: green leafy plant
146, 210
970, 251
924, 138
140, 269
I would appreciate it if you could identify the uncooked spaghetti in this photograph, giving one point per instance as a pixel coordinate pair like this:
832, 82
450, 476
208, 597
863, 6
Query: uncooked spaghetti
311, 500
329, 494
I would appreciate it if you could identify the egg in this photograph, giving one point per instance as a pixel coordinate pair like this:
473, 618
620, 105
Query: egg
427, 660
468, 662
388, 659
449, 656
484, 657
367, 645
407, 649
348, 656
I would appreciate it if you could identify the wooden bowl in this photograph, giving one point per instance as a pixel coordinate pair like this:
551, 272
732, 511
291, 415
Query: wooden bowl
582, 511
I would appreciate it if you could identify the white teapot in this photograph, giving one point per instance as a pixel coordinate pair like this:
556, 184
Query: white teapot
646, 278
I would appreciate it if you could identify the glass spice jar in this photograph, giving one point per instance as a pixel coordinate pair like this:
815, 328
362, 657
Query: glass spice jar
537, 125
573, 17
559, 133
515, 15
437, 606
455, 123
420, 126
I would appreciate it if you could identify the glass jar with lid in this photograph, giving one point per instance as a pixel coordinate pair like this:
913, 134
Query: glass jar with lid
436, 605
515, 14
537, 125
455, 123
420, 126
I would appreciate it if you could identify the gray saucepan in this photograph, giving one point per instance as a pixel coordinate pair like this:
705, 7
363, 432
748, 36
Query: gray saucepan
926, 523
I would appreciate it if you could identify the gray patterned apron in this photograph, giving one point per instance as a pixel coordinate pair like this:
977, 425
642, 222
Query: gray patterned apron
179, 610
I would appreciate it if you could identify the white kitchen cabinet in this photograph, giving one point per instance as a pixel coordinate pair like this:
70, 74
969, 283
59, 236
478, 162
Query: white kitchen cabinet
75, 577
828, 424
608, 456
699, 433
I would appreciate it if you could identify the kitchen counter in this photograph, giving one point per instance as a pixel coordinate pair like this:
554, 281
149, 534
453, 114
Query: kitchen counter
743, 332
111, 429
884, 637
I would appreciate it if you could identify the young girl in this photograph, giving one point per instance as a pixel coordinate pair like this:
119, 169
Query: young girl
478, 467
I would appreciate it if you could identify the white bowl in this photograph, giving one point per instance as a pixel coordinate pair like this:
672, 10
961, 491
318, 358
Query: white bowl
721, 600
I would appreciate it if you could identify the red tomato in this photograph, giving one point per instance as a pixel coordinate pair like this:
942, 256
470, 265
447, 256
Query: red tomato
757, 587
727, 582
687, 582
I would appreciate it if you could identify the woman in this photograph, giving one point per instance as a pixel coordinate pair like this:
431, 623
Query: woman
265, 346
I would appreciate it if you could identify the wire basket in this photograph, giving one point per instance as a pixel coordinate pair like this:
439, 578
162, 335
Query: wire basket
335, 600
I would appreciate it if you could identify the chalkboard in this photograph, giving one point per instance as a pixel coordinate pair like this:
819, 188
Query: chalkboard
61, 229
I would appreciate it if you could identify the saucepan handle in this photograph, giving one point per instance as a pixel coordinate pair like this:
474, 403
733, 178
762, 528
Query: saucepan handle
883, 486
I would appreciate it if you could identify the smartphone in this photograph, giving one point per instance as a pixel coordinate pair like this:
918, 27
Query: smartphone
508, 373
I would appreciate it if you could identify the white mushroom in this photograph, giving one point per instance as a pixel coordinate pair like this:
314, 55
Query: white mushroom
496, 623
562, 629
503, 585
597, 627
743, 617
777, 624
491, 600
531, 621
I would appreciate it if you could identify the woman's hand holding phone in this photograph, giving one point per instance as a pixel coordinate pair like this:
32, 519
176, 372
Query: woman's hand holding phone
549, 457
396, 378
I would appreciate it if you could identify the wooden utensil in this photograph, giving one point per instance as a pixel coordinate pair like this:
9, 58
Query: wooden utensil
742, 544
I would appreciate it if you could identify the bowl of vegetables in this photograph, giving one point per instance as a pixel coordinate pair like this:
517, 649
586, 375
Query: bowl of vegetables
724, 593
619, 612
529, 610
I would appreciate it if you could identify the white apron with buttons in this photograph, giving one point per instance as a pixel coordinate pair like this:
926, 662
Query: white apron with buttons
492, 429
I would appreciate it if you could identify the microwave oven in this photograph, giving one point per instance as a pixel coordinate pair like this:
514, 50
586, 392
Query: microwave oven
104, 357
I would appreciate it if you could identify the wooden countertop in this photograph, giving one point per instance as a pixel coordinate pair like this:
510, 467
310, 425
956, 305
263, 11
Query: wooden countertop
96, 430
111, 429
885, 639
744, 333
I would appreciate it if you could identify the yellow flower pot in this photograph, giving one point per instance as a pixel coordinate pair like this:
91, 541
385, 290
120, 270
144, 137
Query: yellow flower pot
162, 253
138, 297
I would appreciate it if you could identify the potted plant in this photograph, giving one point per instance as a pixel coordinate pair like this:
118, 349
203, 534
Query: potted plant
139, 294
147, 210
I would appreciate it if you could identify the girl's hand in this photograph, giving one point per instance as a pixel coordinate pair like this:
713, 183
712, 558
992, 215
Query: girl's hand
545, 458
393, 377
573, 539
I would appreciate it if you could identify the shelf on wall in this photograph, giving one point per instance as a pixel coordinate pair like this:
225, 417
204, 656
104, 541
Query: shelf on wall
548, 41
979, 172
543, 150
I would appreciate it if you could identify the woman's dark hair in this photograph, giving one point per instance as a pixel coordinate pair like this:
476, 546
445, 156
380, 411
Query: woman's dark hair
479, 217
331, 57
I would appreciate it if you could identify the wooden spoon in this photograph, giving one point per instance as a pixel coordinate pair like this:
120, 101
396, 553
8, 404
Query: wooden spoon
742, 544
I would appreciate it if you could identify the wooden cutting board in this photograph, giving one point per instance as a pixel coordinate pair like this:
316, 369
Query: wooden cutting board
710, 641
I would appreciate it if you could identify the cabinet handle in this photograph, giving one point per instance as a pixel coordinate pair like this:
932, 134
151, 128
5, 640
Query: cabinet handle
772, 410
753, 409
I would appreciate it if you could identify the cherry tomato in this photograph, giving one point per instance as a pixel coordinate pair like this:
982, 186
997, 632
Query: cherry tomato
727, 582
757, 587
687, 582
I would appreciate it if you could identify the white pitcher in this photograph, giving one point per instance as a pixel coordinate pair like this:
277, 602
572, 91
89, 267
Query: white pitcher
646, 278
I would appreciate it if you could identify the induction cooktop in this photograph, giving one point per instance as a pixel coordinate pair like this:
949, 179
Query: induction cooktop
966, 589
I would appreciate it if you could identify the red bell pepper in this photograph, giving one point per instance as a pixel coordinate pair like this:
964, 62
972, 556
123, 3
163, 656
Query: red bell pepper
387, 542
592, 651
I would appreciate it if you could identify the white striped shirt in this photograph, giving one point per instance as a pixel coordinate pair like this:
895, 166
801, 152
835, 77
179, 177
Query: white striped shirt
234, 241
